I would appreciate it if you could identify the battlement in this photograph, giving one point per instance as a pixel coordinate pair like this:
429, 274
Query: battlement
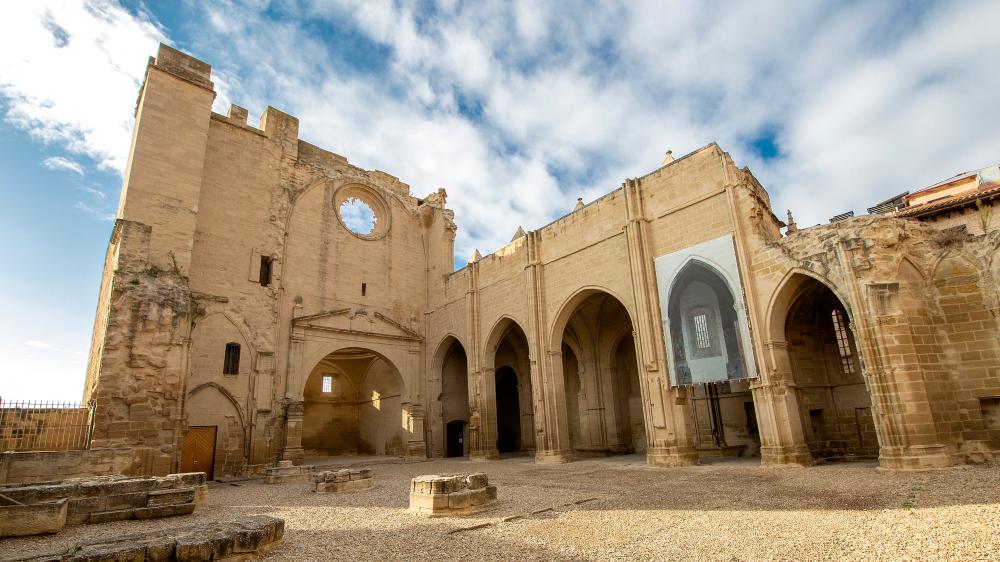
184, 66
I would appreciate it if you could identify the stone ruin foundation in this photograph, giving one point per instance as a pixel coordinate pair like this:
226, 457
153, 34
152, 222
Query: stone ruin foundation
243, 538
451, 495
344, 480
47, 506
285, 471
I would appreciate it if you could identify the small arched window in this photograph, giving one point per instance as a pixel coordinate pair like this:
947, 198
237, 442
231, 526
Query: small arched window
232, 362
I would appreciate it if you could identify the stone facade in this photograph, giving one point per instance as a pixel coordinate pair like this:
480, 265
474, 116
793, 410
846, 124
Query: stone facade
239, 297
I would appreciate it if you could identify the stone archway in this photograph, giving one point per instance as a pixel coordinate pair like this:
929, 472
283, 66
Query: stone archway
508, 398
835, 405
452, 364
352, 404
600, 376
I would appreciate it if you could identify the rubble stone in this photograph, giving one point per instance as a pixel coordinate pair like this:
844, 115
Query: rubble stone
451, 495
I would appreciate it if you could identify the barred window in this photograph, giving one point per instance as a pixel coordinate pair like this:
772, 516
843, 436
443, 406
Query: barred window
843, 341
701, 332
327, 384
231, 366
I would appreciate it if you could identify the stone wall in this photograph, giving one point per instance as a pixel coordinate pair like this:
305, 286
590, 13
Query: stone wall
38, 466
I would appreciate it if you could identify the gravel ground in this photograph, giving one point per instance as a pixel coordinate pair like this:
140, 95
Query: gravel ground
620, 509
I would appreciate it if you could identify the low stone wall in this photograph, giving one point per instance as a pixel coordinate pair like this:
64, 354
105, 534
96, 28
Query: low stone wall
242, 538
33, 519
35, 466
287, 472
451, 495
103, 499
345, 480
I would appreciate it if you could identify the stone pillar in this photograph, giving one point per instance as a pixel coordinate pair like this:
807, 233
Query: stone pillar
669, 439
552, 441
779, 416
416, 447
482, 408
907, 434
292, 451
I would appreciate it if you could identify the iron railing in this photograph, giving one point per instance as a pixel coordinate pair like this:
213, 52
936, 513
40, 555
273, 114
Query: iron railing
30, 425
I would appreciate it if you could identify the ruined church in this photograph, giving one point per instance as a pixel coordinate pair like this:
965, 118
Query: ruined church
263, 299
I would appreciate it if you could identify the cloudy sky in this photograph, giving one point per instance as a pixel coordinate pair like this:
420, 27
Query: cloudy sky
516, 108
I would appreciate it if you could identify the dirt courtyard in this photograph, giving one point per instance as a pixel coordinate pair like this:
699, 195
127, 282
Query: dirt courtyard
620, 509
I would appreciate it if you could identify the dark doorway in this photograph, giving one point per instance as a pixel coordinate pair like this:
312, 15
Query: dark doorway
198, 450
455, 439
508, 411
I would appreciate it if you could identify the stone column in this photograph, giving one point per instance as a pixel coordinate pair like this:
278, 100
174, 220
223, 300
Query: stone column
292, 451
552, 442
779, 416
416, 447
908, 438
669, 439
482, 394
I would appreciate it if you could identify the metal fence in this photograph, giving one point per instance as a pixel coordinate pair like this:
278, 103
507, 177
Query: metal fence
29, 425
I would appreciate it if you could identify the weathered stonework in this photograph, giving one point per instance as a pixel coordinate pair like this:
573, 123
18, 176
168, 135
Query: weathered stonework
99, 500
285, 471
344, 480
451, 495
243, 320
244, 538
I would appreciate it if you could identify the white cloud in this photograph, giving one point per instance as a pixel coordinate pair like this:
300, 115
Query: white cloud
38, 344
93, 211
519, 108
60, 163
70, 72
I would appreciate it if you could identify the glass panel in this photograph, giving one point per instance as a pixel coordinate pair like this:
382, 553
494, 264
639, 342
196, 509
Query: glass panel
701, 331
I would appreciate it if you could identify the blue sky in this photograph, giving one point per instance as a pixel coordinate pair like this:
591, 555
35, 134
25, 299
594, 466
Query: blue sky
516, 108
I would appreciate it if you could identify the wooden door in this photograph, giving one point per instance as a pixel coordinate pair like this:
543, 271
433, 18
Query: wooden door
198, 450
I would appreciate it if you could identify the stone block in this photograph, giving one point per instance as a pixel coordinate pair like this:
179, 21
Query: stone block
130, 486
477, 480
461, 499
108, 516
450, 495
33, 519
112, 552
170, 497
164, 511
190, 478
125, 501
160, 549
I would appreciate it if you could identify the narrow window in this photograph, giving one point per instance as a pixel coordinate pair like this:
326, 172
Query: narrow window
266, 263
327, 384
701, 332
232, 363
843, 342
364, 289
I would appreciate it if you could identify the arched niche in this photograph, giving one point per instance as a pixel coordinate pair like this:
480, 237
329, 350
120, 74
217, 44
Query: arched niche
451, 362
352, 404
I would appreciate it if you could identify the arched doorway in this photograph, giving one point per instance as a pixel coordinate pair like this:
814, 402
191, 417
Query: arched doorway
454, 397
601, 378
707, 352
352, 404
512, 393
835, 403
508, 411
